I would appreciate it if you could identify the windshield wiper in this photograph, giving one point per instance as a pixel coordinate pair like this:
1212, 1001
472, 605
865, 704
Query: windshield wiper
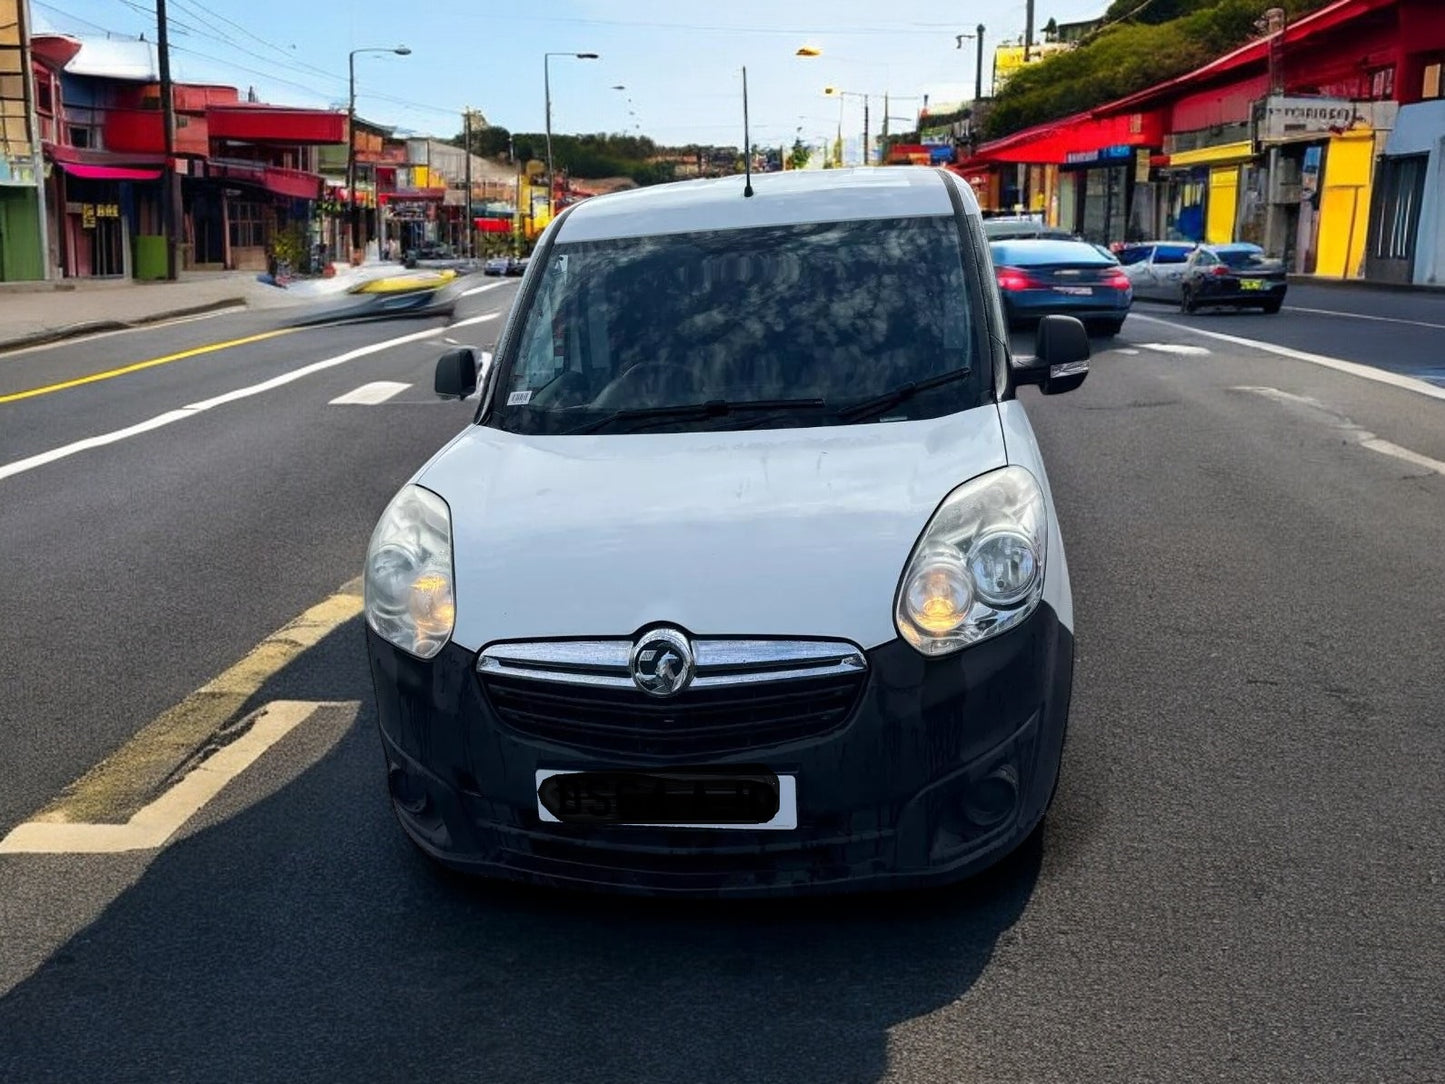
715, 408
902, 393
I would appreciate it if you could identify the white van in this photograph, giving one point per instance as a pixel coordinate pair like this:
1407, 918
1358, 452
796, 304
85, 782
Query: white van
746, 578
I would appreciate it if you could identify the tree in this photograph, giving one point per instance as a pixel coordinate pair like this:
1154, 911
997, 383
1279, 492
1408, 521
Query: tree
800, 155
1126, 57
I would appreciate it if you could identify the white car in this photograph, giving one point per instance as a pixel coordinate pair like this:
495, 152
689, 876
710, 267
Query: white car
745, 577
1156, 268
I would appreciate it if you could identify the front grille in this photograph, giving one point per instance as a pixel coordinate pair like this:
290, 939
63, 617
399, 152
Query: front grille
747, 695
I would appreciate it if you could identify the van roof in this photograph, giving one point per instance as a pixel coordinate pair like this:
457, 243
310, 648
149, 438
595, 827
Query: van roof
779, 199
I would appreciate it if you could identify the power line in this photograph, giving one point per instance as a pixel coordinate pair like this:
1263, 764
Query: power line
312, 89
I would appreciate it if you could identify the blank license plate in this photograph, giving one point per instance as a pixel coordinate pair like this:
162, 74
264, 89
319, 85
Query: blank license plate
1078, 291
669, 798
1251, 284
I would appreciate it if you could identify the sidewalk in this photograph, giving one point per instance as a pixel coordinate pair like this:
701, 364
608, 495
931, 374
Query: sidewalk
1366, 284
37, 312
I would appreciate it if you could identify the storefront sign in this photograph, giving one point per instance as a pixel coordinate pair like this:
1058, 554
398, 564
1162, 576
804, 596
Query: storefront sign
1119, 154
1289, 120
87, 216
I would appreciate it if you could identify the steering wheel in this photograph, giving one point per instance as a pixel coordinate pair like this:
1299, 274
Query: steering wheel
651, 379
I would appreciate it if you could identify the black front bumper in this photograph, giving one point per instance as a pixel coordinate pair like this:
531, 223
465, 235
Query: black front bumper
943, 767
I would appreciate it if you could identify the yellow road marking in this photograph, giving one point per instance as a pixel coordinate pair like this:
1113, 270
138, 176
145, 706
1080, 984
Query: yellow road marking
111, 374
129, 779
152, 825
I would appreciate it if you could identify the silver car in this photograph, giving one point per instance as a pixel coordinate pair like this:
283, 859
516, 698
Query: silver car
1156, 268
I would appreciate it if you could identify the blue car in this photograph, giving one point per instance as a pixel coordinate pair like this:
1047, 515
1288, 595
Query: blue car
1049, 277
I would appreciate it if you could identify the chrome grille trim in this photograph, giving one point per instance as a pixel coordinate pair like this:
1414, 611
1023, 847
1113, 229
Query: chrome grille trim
720, 662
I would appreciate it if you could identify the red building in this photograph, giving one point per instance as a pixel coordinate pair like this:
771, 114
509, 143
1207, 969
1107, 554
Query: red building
1278, 142
248, 169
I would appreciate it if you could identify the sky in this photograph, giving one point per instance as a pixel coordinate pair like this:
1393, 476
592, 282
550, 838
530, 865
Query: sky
679, 62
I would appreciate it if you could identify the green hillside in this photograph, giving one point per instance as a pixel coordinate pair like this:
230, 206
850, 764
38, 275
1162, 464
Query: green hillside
1143, 42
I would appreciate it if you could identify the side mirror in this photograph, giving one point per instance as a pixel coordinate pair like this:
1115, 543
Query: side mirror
456, 375
1062, 359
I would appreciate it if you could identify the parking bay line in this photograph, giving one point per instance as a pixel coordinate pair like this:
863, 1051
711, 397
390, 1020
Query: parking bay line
20, 466
1363, 437
1365, 372
153, 824
188, 735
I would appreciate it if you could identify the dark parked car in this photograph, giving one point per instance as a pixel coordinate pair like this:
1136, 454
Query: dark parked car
1237, 276
1039, 277
497, 265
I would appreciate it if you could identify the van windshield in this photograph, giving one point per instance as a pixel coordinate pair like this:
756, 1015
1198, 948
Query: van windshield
767, 327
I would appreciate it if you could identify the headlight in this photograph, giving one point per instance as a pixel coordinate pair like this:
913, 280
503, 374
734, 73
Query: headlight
978, 569
408, 581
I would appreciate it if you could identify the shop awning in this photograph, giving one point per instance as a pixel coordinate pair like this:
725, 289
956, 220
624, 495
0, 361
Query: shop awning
109, 173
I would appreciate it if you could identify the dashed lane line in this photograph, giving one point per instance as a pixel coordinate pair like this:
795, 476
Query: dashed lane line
373, 394
1365, 372
1361, 436
129, 779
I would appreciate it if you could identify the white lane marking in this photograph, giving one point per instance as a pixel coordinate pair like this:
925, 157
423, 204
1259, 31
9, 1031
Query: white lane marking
1384, 447
20, 466
152, 825
1365, 372
1125, 350
1177, 348
1364, 316
472, 320
1361, 436
378, 391
483, 289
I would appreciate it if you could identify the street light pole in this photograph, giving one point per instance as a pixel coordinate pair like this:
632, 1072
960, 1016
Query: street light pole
547, 91
400, 50
471, 231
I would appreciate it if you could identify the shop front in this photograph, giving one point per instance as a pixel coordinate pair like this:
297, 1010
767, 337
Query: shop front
1202, 192
1406, 241
247, 212
414, 217
107, 215
1321, 154
1102, 187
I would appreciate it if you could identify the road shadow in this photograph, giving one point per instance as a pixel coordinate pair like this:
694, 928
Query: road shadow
304, 938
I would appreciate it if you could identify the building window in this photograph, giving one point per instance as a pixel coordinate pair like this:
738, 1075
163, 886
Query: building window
43, 101
248, 226
80, 137
1397, 219
1382, 83
1430, 85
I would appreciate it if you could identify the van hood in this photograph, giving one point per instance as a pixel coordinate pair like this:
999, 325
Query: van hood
787, 532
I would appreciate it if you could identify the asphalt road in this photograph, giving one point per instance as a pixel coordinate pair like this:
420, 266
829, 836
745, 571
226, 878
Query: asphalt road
1240, 879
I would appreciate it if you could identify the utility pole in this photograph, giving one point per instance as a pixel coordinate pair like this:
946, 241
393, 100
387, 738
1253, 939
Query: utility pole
1028, 30
171, 212
866, 155
978, 74
471, 230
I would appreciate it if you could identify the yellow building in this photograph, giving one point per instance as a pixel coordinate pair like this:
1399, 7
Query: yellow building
1008, 60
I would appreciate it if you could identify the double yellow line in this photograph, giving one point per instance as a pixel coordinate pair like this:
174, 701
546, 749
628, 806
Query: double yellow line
111, 374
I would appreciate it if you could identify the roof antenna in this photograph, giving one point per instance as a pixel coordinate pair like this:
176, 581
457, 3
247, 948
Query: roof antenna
747, 142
